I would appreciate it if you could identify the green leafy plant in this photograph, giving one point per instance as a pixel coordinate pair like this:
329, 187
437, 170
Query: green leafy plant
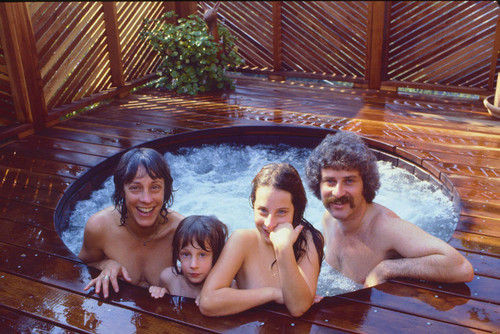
192, 61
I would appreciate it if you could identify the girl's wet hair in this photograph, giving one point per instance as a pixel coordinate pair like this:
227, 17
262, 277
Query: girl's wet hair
156, 167
344, 151
209, 233
284, 176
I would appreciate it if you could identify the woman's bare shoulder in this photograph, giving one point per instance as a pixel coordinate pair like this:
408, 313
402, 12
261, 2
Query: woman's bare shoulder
174, 217
102, 218
244, 235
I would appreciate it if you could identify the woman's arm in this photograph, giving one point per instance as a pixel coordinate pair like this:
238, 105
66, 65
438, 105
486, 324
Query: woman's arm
217, 298
92, 253
298, 281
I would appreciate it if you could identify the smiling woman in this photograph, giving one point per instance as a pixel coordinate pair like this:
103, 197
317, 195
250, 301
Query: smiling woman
132, 240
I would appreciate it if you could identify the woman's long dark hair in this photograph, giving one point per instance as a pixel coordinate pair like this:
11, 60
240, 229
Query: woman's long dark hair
284, 176
156, 167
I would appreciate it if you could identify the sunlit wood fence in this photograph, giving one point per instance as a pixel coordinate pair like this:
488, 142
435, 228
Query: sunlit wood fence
58, 57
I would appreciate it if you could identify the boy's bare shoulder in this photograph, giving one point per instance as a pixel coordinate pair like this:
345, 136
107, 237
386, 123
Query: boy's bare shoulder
168, 275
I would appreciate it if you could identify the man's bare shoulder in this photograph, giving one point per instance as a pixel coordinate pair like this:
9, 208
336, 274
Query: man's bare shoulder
387, 223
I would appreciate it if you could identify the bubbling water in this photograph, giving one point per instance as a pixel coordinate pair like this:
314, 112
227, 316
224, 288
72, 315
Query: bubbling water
216, 180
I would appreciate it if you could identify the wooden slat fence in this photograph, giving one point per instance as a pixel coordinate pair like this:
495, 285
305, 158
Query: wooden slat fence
7, 116
440, 45
442, 42
70, 41
58, 57
252, 23
139, 59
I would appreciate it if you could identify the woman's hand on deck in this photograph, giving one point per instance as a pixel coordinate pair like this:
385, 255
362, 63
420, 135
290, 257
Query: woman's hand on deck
110, 273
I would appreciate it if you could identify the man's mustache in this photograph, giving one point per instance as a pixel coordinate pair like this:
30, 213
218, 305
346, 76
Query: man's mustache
340, 200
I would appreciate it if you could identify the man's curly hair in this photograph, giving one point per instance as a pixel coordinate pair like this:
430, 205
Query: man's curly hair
344, 151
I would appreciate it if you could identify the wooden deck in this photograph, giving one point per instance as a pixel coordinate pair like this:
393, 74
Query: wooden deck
41, 281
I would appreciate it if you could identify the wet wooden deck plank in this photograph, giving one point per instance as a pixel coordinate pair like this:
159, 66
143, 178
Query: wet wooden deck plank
108, 130
121, 143
475, 242
262, 323
432, 305
18, 322
41, 166
432, 133
72, 276
265, 89
11, 177
54, 305
27, 214
349, 314
136, 122
33, 237
481, 288
479, 225
69, 145
34, 151
483, 264
38, 197
384, 111
472, 241
168, 123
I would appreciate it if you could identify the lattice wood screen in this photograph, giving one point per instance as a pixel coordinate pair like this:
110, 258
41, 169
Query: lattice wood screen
426, 43
71, 46
7, 113
442, 42
318, 36
325, 37
138, 57
251, 23
429, 42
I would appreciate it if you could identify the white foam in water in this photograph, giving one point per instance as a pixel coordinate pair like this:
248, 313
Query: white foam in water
216, 180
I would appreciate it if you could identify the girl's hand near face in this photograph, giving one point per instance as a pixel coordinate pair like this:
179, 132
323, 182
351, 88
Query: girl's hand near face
284, 236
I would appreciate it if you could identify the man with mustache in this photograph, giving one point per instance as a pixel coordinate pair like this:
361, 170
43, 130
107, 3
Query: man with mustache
364, 240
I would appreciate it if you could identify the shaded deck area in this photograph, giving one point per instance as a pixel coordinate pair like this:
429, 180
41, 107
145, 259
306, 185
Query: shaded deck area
455, 140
